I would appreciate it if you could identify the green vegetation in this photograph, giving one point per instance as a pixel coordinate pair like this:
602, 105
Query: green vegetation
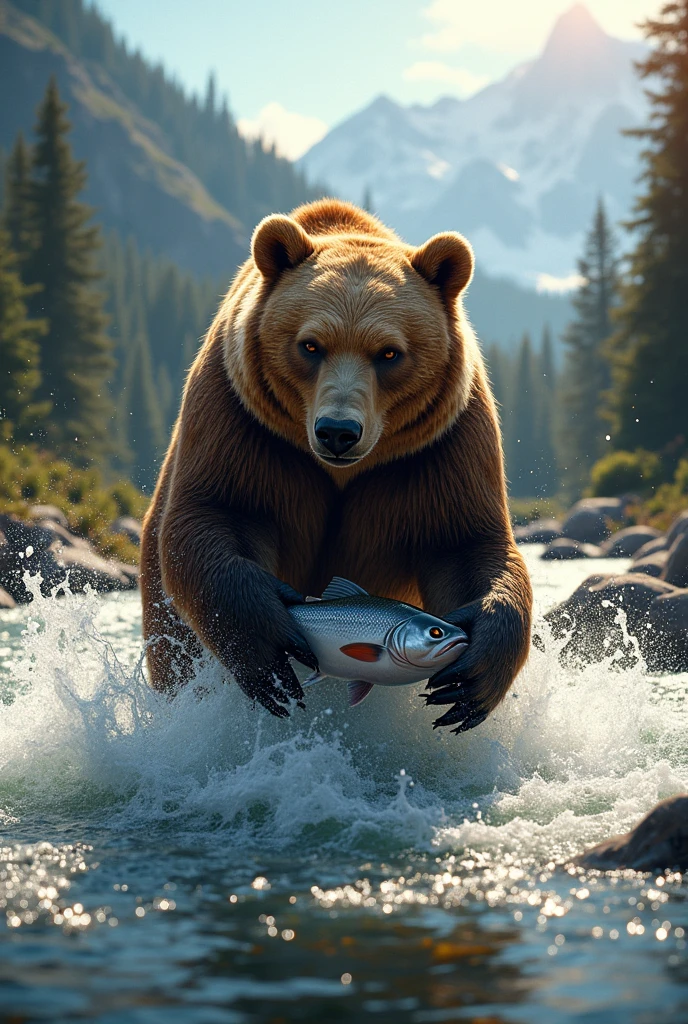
587, 374
20, 375
649, 351
247, 179
524, 387
29, 477
638, 472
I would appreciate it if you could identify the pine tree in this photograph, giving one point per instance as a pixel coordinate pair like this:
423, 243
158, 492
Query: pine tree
76, 354
546, 474
145, 429
650, 350
16, 209
19, 351
522, 434
587, 373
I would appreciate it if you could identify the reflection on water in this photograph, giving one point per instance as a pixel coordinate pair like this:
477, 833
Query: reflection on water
198, 861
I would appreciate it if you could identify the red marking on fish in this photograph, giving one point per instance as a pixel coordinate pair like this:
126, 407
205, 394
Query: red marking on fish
363, 652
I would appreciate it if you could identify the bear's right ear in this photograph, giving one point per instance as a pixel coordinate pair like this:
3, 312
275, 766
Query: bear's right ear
279, 244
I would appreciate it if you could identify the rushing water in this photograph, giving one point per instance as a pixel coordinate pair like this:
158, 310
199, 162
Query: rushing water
198, 861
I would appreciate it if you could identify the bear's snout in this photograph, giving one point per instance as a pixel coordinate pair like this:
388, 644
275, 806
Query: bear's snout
338, 436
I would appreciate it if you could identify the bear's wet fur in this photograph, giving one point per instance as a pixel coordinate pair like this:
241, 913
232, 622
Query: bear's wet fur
333, 310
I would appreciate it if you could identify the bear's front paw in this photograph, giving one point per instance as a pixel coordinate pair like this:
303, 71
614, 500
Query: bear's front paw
476, 683
272, 685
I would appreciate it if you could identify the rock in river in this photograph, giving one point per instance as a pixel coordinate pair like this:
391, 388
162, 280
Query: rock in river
658, 843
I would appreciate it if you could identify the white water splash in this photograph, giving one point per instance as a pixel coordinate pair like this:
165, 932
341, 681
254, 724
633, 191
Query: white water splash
567, 759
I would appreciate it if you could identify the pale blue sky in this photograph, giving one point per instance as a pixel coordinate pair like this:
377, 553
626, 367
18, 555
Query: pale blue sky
293, 69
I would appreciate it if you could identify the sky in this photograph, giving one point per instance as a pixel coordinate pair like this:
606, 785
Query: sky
293, 70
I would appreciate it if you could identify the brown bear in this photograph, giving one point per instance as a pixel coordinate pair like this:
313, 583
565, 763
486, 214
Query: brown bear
336, 421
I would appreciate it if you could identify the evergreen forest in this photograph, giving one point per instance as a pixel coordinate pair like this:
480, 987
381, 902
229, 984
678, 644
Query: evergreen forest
97, 333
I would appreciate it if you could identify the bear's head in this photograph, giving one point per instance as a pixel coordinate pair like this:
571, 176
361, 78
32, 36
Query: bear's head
348, 342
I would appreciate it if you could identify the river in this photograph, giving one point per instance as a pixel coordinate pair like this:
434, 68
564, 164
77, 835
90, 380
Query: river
197, 861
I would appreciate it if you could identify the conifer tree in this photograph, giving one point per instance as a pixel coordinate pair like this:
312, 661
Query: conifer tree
546, 474
650, 351
76, 354
587, 373
522, 431
19, 351
145, 428
17, 206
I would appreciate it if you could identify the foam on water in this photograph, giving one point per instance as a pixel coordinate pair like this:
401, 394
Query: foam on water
569, 758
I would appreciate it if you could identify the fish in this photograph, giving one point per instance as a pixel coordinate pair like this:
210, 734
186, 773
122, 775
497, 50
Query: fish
374, 641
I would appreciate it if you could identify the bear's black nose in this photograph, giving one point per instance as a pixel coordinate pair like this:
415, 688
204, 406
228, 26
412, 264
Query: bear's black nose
338, 436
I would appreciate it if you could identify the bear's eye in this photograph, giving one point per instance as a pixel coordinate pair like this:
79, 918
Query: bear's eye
436, 632
388, 355
311, 348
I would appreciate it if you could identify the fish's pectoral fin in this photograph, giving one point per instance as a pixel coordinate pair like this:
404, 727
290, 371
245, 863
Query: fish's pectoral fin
358, 691
314, 677
363, 651
339, 587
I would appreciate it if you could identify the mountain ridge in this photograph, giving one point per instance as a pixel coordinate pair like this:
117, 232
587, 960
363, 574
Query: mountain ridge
519, 165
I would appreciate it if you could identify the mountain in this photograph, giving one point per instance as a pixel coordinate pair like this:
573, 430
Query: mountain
173, 173
518, 167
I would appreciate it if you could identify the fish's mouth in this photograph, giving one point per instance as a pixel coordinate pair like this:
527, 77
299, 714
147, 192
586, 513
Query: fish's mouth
459, 642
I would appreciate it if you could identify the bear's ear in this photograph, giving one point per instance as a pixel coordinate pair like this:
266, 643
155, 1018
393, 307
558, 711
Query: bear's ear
445, 261
279, 244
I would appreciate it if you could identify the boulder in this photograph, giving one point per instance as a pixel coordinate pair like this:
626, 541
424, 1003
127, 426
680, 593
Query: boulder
51, 550
679, 526
587, 525
49, 512
651, 548
658, 843
589, 620
612, 508
540, 531
6, 600
670, 612
676, 566
651, 565
625, 543
129, 526
563, 549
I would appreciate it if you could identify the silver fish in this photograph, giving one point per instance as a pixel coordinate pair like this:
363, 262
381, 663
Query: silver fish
382, 642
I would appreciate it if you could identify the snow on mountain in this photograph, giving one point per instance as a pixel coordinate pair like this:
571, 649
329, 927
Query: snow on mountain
517, 167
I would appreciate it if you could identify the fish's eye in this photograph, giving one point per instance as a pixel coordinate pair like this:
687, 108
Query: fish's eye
436, 632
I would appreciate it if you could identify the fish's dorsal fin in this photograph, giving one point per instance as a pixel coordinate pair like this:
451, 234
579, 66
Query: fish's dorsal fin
358, 691
339, 587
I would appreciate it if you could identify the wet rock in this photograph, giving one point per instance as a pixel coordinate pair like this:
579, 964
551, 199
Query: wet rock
6, 600
612, 508
51, 550
595, 630
540, 531
129, 526
679, 526
651, 565
563, 549
625, 543
651, 548
676, 566
659, 842
48, 512
587, 525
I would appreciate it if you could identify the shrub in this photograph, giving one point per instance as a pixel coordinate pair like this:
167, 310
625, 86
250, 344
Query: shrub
638, 472
29, 476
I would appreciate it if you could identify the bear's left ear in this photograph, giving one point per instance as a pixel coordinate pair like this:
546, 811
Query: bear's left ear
279, 244
445, 261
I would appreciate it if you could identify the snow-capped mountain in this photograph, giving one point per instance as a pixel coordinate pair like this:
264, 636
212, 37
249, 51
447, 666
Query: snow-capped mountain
517, 167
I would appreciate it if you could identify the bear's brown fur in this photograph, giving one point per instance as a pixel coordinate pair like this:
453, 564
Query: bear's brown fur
334, 315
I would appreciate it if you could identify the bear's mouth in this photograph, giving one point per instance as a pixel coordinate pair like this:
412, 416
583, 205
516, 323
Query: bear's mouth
338, 460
